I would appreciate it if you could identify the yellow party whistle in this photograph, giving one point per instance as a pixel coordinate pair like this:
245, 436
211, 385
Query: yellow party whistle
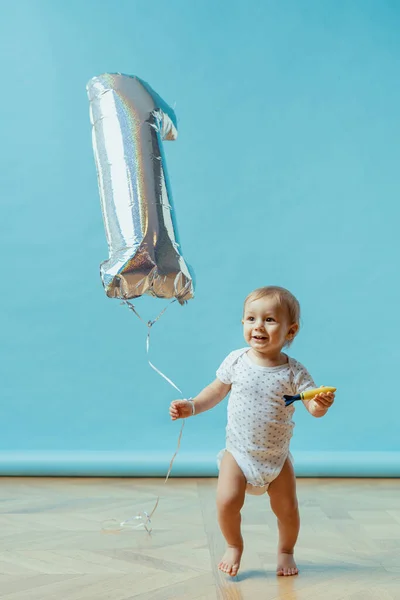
308, 394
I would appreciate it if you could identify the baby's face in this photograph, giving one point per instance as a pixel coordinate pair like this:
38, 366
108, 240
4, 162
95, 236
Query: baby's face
266, 326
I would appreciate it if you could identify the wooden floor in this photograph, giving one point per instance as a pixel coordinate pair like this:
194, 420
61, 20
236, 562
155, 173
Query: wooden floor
53, 548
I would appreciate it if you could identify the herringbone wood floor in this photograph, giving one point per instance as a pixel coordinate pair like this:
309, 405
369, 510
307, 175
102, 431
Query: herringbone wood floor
52, 546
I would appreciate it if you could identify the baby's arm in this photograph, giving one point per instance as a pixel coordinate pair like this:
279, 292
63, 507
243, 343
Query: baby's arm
209, 397
212, 395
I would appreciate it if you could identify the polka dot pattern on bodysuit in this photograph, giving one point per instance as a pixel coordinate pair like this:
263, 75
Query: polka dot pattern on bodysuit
260, 426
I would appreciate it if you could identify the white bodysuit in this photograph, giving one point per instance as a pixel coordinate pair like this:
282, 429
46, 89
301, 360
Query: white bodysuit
259, 424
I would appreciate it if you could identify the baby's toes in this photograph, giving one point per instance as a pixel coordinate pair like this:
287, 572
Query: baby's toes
222, 566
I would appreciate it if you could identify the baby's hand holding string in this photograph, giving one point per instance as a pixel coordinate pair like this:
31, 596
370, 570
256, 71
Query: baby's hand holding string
180, 409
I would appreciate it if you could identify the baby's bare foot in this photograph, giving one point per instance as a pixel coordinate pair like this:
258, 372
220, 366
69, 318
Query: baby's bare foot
230, 561
286, 564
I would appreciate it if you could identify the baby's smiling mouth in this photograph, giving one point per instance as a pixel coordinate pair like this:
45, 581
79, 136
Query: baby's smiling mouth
259, 337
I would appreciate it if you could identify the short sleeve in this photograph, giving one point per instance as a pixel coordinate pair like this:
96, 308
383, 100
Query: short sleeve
303, 380
225, 370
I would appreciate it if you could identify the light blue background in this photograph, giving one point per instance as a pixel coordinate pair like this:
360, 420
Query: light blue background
285, 172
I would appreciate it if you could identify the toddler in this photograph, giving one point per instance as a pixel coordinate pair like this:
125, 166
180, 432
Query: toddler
256, 457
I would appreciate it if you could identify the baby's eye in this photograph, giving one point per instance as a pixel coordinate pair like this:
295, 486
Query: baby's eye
250, 318
269, 319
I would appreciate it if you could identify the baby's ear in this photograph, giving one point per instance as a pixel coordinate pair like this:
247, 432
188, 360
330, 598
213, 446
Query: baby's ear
291, 334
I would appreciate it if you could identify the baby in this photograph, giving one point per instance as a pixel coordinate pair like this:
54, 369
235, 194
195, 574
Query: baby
256, 457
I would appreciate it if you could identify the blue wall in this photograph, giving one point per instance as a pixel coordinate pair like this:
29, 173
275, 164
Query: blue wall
285, 172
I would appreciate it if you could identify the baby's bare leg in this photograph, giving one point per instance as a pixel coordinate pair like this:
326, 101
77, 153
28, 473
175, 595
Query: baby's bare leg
282, 493
230, 498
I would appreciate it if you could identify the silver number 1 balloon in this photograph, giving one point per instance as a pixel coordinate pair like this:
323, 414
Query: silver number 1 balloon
130, 122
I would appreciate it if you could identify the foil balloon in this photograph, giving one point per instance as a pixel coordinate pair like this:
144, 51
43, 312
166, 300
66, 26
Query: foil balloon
129, 123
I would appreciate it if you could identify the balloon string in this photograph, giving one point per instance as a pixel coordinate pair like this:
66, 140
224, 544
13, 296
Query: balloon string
149, 326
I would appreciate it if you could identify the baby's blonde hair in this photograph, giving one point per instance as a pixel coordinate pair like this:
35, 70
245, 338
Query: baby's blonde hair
284, 297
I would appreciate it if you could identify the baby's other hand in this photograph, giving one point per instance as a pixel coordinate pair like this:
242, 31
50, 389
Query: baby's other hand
324, 400
180, 409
